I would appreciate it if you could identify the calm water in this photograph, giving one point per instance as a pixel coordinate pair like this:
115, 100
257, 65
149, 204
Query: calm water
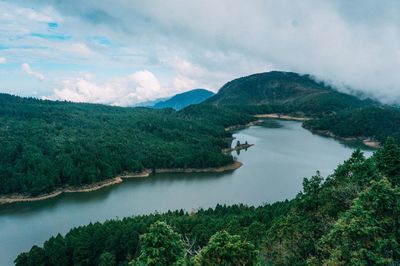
272, 170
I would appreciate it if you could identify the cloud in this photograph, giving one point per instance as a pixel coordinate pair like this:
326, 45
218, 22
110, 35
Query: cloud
33, 15
3, 60
206, 43
81, 49
28, 70
122, 91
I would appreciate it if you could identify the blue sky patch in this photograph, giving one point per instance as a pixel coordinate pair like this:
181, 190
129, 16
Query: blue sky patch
101, 40
57, 37
52, 25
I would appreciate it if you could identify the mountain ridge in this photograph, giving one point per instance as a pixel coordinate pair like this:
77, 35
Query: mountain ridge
181, 100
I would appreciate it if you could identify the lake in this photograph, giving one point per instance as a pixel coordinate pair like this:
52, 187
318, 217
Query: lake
273, 170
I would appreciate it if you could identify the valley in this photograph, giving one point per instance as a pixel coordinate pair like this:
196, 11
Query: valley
272, 171
219, 146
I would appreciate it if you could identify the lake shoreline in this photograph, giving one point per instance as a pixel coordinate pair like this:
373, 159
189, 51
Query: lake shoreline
14, 198
283, 117
239, 127
366, 141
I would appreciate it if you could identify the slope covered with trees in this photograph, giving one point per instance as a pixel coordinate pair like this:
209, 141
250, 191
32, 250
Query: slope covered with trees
348, 218
47, 144
286, 92
375, 122
342, 114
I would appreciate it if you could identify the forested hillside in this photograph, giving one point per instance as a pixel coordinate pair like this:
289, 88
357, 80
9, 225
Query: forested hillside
342, 114
47, 144
348, 218
285, 92
375, 122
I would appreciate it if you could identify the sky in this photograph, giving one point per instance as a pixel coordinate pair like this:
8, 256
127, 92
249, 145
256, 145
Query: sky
122, 52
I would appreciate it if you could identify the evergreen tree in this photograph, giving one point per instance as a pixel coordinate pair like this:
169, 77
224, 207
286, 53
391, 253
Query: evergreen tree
388, 160
36, 258
226, 249
56, 251
368, 233
160, 246
107, 259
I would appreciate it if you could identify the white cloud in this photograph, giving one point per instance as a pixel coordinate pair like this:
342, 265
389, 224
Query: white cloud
3, 60
80, 49
207, 43
35, 16
28, 70
123, 91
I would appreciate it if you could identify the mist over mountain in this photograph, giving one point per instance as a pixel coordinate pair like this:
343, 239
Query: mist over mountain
289, 91
150, 103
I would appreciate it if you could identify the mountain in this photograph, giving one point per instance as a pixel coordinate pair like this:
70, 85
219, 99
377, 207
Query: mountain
333, 112
181, 100
286, 92
267, 87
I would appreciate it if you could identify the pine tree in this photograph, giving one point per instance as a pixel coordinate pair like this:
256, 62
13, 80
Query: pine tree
388, 160
226, 249
368, 233
160, 246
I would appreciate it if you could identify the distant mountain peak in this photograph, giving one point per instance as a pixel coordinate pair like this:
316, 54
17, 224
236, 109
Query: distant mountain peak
181, 100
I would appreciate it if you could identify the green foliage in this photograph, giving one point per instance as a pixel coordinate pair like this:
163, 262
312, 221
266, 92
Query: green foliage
56, 251
226, 249
376, 123
289, 93
107, 259
35, 257
266, 88
284, 92
292, 239
348, 218
86, 244
46, 145
388, 160
160, 246
368, 233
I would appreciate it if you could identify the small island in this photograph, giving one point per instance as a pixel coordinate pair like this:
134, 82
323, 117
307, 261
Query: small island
239, 146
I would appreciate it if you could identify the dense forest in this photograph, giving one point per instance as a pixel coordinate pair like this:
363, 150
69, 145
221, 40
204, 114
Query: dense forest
285, 92
375, 122
350, 217
47, 144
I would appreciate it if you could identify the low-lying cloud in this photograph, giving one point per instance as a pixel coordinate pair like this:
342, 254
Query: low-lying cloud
122, 91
